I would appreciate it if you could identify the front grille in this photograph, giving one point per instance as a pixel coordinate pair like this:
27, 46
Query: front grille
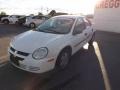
15, 59
12, 49
19, 52
22, 53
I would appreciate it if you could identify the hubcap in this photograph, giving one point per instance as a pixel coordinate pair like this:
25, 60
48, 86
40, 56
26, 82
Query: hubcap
64, 59
5, 22
32, 25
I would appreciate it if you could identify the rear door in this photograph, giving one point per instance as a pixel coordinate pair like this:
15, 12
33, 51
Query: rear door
14, 19
88, 32
11, 18
78, 35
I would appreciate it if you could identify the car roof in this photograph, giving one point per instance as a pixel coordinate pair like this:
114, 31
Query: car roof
70, 16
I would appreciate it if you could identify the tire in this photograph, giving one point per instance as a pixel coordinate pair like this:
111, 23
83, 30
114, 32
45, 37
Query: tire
6, 21
16, 22
63, 59
92, 40
32, 25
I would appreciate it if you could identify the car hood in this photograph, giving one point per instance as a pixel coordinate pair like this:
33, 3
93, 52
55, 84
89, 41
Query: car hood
32, 40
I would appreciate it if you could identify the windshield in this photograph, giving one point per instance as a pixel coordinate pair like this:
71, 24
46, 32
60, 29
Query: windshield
57, 25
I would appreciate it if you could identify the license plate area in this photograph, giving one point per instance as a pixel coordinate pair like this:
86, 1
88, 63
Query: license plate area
15, 59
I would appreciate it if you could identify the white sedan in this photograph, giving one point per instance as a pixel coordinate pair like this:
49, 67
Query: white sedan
35, 21
51, 44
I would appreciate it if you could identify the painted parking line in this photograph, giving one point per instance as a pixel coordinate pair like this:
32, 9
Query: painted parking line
102, 66
3, 64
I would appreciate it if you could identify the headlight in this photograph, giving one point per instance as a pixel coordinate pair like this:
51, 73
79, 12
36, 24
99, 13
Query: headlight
40, 53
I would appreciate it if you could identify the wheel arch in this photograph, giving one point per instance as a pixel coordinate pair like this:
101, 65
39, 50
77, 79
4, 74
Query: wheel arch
66, 48
5, 20
69, 48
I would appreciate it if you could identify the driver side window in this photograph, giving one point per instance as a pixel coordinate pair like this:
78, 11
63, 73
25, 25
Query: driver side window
79, 27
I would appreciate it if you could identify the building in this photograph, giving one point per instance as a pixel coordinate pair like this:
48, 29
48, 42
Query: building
107, 16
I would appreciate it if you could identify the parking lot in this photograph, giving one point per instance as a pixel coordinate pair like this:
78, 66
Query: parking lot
96, 68
6, 33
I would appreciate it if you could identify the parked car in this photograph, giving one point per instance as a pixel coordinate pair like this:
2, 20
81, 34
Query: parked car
1, 16
22, 20
35, 21
51, 44
10, 19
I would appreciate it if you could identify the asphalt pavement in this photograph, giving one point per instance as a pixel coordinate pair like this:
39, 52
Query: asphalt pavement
82, 73
110, 49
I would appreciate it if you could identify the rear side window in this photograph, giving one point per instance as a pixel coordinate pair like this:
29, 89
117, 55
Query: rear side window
17, 16
79, 26
42, 18
35, 17
38, 17
87, 22
12, 16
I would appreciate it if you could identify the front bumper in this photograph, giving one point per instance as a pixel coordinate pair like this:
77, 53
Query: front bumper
31, 65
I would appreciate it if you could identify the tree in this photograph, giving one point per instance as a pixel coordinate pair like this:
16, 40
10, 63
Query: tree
52, 13
3, 13
39, 13
31, 15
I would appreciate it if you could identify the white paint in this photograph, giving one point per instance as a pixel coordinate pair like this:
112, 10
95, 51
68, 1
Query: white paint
31, 41
102, 66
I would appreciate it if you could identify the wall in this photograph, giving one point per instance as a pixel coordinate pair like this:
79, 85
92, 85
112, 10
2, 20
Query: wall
107, 16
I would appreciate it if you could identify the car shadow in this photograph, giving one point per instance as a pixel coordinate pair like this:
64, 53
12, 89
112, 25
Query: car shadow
82, 69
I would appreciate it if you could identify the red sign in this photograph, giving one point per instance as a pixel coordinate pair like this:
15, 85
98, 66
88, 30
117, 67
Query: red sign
108, 4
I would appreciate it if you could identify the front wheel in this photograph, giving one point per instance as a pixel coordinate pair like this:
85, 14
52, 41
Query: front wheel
63, 59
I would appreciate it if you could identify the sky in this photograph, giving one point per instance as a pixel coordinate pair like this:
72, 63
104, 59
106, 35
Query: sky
45, 6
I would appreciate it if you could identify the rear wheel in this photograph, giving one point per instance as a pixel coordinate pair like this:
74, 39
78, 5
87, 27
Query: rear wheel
16, 22
5, 21
63, 59
92, 40
32, 25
